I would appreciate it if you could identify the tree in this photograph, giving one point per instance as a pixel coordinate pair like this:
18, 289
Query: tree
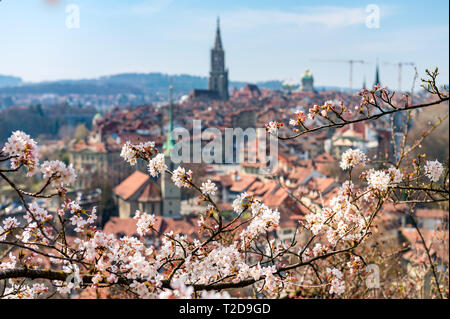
81, 132
237, 253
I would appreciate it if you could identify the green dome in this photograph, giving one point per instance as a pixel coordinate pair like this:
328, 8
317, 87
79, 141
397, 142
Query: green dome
307, 75
96, 117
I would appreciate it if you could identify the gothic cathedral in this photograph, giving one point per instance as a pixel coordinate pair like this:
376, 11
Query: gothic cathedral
218, 77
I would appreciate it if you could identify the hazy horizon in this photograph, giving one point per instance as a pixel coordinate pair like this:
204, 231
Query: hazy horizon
263, 40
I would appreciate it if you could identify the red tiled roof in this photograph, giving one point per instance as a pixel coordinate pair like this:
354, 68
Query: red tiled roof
116, 225
325, 158
243, 182
225, 207
300, 173
275, 198
151, 193
186, 226
94, 147
127, 226
131, 184
323, 168
225, 180
431, 213
320, 184
257, 188
332, 193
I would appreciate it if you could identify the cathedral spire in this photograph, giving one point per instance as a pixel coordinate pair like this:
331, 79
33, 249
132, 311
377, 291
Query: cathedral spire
218, 43
218, 76
377, 75
171, 194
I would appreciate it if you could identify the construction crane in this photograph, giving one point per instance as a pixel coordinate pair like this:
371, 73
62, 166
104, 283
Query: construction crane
400, 65
350, 63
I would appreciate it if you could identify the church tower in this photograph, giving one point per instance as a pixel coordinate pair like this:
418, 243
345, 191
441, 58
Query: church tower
307, 82
171, 194
377, 76
218, 76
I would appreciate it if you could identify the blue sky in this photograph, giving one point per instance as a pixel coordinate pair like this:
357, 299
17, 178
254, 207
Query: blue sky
263, 40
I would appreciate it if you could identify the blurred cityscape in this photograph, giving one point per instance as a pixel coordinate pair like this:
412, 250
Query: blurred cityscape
86, 122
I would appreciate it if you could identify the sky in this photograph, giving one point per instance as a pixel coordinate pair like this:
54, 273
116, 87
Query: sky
263, 40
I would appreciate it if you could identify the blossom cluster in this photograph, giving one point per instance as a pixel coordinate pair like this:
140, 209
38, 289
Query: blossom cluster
299, 119
23, 151
144, 223
352, 158
355, 264
368, 97
341, 219
378, 179
263, 219
320, 109
208, 188
59, 173
79, 217
181, 291
17, 290
11, 264
131, 152
434, 170
382, 179
181, 178
184, 262
273, 127
156, 165
337, 284
242, 202
9, 223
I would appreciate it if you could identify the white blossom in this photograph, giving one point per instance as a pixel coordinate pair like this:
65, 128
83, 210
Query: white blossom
337, 284
378, 179
59, 173
181, 178
132, 152
434, 170
144, 223
240, 203
208, 188
23, 151
273, 126
156, 165
352, 158
396, 175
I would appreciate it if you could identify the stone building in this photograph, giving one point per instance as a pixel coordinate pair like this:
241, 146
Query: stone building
171, 194
218, 75
307, 82
97, 159
141, 192
138, 192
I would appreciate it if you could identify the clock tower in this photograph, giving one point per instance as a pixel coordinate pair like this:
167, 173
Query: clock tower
218, 76
171, 194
